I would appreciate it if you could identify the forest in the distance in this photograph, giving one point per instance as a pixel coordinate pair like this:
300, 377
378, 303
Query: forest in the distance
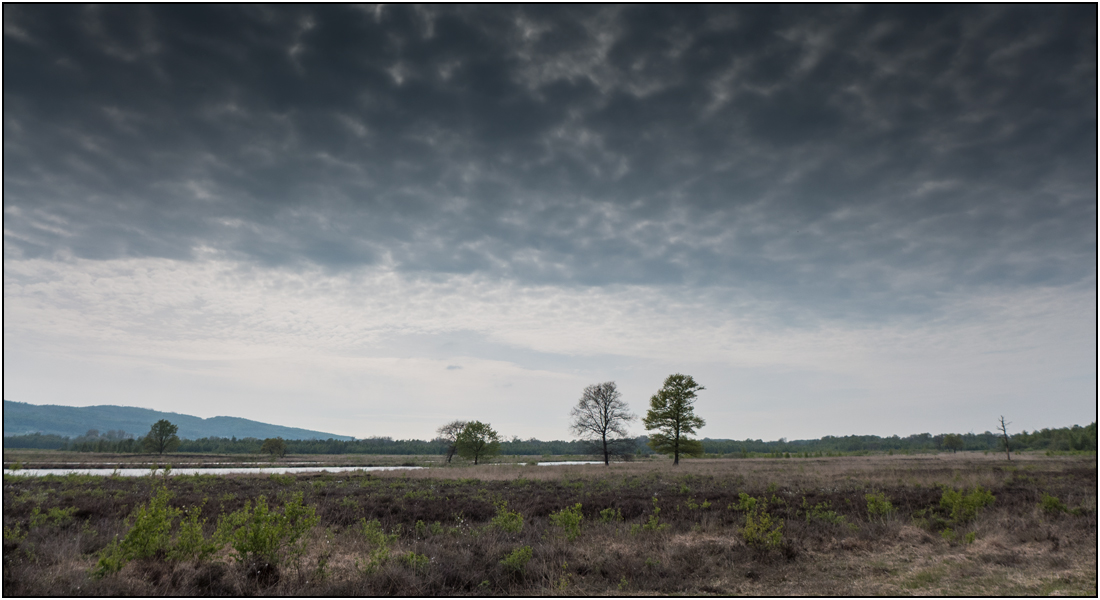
1063, 439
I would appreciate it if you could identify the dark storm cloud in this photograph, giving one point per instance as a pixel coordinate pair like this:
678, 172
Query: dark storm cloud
849, 155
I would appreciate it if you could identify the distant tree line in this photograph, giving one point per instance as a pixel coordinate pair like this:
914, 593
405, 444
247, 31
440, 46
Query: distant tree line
1062, 439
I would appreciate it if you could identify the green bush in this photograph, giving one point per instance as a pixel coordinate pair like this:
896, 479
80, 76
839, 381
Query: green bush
1052, 505
569, 519
760, 530
654, 522
191, 543
150, 534
506, 520
376, 536
417, 562
518, 559
745, 503
878, 505
822, 512
258, 533
609, 515
379, 542
55, 516
964, 507
693, 505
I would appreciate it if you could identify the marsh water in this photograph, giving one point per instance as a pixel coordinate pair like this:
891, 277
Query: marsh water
234, 470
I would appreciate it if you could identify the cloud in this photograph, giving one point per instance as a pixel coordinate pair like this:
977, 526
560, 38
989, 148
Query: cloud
765, 149
548, 188
352, 343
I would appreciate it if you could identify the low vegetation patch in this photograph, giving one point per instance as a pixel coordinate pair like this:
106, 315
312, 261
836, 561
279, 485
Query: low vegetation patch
839, 526
569, 519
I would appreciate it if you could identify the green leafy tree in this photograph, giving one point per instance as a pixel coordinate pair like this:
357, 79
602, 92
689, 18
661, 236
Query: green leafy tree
953, 442
601, 417
276, 447
449, 434
478, 441
672, 414
162, 438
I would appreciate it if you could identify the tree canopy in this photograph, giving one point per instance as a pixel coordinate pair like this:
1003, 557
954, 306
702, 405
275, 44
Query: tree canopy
162, 438
672, 415
953, 442
478, 441
276, 447
449, 435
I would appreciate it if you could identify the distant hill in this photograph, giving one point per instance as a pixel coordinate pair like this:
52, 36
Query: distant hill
21, 418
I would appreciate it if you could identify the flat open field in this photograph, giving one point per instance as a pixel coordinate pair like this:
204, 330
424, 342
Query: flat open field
56, 459
816, 526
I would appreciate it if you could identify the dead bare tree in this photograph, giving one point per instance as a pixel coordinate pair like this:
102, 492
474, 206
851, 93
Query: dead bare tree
1004, 436
600, 416
449, 434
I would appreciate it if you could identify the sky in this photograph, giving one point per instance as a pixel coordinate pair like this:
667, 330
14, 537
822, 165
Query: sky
373, 220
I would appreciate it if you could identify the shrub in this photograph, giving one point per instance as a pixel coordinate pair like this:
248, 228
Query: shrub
878, 504
55, 516
379, 541
609, 515
822, 512
506, 520
191, 543
569, 519
693, 505
417, 562
654, 522
517, 560
761, 531
376, 536
14, 534
261, 534
964, 507
1052, 505
150, 534
745, 503
283, 480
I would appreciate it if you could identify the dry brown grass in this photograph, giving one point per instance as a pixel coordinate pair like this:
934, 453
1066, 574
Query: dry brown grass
1018, 549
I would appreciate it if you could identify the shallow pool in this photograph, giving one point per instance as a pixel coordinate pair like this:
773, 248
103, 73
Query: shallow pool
200, 471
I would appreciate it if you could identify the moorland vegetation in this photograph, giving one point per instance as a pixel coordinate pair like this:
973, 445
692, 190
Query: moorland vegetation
949, 524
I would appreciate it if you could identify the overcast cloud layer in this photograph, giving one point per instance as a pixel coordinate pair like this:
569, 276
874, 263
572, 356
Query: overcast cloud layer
372, 220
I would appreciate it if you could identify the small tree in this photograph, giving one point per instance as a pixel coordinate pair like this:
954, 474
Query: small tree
671, 413
162, 438
601, 416
449, 434
1004, 437
276, 447
477, 441
952, 442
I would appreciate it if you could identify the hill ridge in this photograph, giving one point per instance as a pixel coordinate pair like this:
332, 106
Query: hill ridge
24, 418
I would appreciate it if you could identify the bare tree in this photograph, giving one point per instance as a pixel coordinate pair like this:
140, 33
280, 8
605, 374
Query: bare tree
449, 434
601, 416
1004, 435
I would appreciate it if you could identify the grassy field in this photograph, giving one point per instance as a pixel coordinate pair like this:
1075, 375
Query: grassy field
966, 524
